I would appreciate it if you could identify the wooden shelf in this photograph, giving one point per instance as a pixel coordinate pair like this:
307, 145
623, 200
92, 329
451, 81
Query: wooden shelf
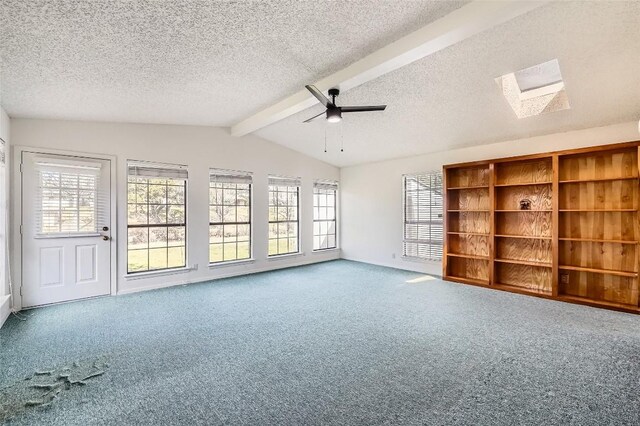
502, 185
532, 237
522, 211
597, 210
469, 233
523, 290
525, 262
466, 280
536, 251
598, 179
599, 271
598, 303
456, 188
595, 240
468, 256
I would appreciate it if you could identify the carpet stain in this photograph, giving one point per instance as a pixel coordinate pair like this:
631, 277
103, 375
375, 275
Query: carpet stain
43, 387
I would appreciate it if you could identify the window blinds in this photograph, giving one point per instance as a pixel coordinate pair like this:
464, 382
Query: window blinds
328, 185
157, 170
423, 216
230, 176
284, 181
69, 200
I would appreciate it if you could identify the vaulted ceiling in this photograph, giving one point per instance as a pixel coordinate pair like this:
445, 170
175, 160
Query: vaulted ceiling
216, 63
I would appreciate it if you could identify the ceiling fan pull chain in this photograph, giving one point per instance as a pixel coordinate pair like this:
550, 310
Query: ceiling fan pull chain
325, 138
342, 138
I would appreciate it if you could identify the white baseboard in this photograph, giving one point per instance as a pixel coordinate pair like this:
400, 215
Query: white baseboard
5, 308
270, 267
421, 267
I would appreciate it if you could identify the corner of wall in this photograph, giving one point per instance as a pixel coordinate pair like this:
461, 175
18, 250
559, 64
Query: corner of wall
5, 298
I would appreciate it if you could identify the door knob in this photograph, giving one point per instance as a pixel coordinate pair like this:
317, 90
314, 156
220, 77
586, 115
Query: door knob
106, 238
105, 228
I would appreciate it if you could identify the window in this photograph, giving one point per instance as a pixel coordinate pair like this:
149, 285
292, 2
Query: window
423, 210
229, 215
67, 197
284, 194
3, 215
324, 215
157, 221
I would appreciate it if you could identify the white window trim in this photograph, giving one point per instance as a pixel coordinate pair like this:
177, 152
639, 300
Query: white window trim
335, 187
251, 259
272, 179
181, 171
418, 258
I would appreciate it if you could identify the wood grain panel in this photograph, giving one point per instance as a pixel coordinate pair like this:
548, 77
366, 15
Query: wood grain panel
609, 288
470, 176
524, 276
508, 198
469, 268
469, 199
616, 194
524, 223
524, 172
598, 225
469, 244
599, 165
523, 249
613, 256
475, 222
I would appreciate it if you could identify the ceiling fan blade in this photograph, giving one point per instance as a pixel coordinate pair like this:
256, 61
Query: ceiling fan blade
314, 117
363, 108
318, 94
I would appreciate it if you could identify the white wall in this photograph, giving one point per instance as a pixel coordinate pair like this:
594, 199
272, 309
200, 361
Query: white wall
200, 148
371, 194
4, 202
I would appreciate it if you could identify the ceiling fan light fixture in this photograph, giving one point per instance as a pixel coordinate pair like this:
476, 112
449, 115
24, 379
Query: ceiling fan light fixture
334, 115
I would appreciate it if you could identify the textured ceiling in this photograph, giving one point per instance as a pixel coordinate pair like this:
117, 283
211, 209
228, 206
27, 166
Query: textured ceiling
450, 99
215, 63
185, 62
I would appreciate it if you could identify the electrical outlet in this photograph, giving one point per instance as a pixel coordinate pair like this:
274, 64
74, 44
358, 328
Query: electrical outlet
393, 255
195, 267
564, 278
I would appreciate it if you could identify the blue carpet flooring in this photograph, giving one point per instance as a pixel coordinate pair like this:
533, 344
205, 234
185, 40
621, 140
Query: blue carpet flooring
339, 343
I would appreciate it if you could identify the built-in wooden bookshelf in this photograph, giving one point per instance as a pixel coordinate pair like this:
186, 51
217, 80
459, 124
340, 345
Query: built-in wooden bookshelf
562, 225
468, 215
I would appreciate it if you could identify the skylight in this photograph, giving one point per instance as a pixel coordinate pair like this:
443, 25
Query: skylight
535, 90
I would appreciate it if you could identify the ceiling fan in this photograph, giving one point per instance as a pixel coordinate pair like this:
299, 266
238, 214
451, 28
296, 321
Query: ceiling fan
333, 111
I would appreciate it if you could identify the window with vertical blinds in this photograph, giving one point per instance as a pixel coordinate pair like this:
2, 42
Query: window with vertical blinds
423, 216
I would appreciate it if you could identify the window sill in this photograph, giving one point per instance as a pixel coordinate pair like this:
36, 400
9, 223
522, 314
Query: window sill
419, 259
150, 274
285, 256
331, 250
231, 263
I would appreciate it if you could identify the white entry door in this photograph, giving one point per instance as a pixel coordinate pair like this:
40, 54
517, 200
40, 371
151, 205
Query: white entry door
66, 235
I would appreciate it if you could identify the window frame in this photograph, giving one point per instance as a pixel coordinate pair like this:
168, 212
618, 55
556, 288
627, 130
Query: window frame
285, 184
431, 243
165, 225
318, 186
80, 170
230, 173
